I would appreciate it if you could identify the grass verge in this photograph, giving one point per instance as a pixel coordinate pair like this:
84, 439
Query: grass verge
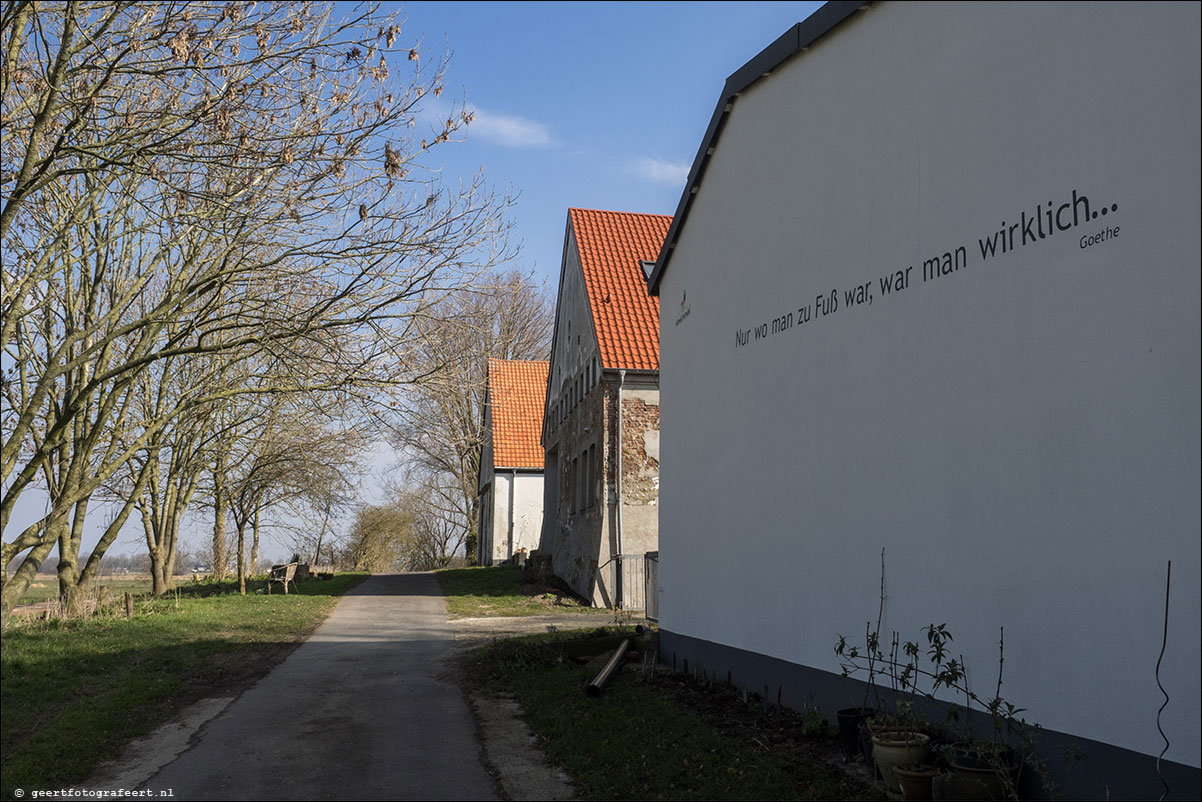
661, 735
75, 691
502, 590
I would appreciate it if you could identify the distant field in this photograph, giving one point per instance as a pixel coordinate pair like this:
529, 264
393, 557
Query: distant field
45, 588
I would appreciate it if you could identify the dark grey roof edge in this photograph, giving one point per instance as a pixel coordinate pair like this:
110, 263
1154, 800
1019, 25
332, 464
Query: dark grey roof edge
789, 44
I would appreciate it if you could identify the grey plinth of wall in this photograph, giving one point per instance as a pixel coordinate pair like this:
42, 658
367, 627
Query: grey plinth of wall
1106, 772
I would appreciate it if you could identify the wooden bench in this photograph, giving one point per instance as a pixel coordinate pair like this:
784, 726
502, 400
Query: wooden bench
282, 574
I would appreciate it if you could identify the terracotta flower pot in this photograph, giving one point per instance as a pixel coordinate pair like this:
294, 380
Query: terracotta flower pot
899, 748
981, 771
915, 781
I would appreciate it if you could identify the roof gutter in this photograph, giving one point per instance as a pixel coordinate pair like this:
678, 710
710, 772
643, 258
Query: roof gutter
620, 594
513, 480
795, 40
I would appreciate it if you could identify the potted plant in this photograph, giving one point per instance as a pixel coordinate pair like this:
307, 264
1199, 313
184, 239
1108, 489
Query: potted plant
982, 770
898, 737
853, 720
893, 748
850, 719
915, 779
989, 767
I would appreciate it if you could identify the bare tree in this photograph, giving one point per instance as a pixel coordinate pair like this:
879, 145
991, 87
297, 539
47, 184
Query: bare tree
440, 426
436, 537
313, 516
380, 536
175, 458
286, 456
216, 184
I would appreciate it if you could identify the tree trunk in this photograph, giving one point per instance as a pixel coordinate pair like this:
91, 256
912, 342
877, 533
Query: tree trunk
254, 544
92, 566
219, 557
15, 588
241, 526
70, 593
172, 544
149, 525
162, 543
325, 521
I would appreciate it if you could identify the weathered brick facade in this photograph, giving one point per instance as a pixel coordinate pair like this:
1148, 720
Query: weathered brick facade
586, 531
640, 451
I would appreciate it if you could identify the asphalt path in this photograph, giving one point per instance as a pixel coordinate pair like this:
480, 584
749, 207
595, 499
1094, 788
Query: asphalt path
360, 711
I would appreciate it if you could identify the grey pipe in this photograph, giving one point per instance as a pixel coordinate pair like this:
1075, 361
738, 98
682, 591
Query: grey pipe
620, 594
595, 687
513, 480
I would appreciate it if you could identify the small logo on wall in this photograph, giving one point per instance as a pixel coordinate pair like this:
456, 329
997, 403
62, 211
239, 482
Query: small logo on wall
684, 308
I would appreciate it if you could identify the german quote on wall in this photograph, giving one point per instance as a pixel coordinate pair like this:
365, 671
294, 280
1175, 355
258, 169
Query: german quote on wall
1033, 225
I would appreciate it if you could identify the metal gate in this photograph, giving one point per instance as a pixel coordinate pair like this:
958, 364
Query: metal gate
640, 582
651, 585
632, 583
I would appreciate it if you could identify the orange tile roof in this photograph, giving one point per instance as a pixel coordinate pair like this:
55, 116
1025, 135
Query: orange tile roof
611, 245
517, 392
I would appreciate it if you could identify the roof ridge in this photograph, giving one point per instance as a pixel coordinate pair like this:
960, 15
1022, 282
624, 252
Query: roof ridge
610, 246
616, 211
517, 396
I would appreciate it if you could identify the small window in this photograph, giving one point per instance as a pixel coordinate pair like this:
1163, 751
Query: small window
648, 267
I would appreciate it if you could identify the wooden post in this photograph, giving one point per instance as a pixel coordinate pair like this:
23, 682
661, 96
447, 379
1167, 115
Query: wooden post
129, 605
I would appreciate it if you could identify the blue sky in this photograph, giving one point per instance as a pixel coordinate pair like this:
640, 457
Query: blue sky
595, 105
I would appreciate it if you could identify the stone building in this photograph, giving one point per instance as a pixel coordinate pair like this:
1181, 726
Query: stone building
601, 421
941, 263
511, 460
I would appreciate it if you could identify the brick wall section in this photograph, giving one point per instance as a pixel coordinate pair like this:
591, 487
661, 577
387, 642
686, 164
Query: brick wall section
584, 539
640, 470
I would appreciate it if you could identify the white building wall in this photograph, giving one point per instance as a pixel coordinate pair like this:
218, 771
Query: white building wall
527, 495
527, 511
1022, 435
500, 517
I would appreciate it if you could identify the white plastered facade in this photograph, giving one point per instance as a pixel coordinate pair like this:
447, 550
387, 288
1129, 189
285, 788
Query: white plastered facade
1021, 435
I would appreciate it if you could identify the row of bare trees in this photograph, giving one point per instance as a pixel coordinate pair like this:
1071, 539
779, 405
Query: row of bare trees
224, 243
440, 430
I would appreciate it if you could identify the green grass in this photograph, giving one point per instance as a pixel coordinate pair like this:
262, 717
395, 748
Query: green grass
75, 691
502, 590
658, 737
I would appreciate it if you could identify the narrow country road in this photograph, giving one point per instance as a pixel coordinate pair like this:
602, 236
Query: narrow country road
356, 712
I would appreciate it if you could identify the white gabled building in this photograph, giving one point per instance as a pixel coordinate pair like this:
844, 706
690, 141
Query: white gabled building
937, 269
511, 460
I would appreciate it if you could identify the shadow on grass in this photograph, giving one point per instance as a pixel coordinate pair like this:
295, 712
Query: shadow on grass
68, 709
77, 690
258, 585
497, 580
